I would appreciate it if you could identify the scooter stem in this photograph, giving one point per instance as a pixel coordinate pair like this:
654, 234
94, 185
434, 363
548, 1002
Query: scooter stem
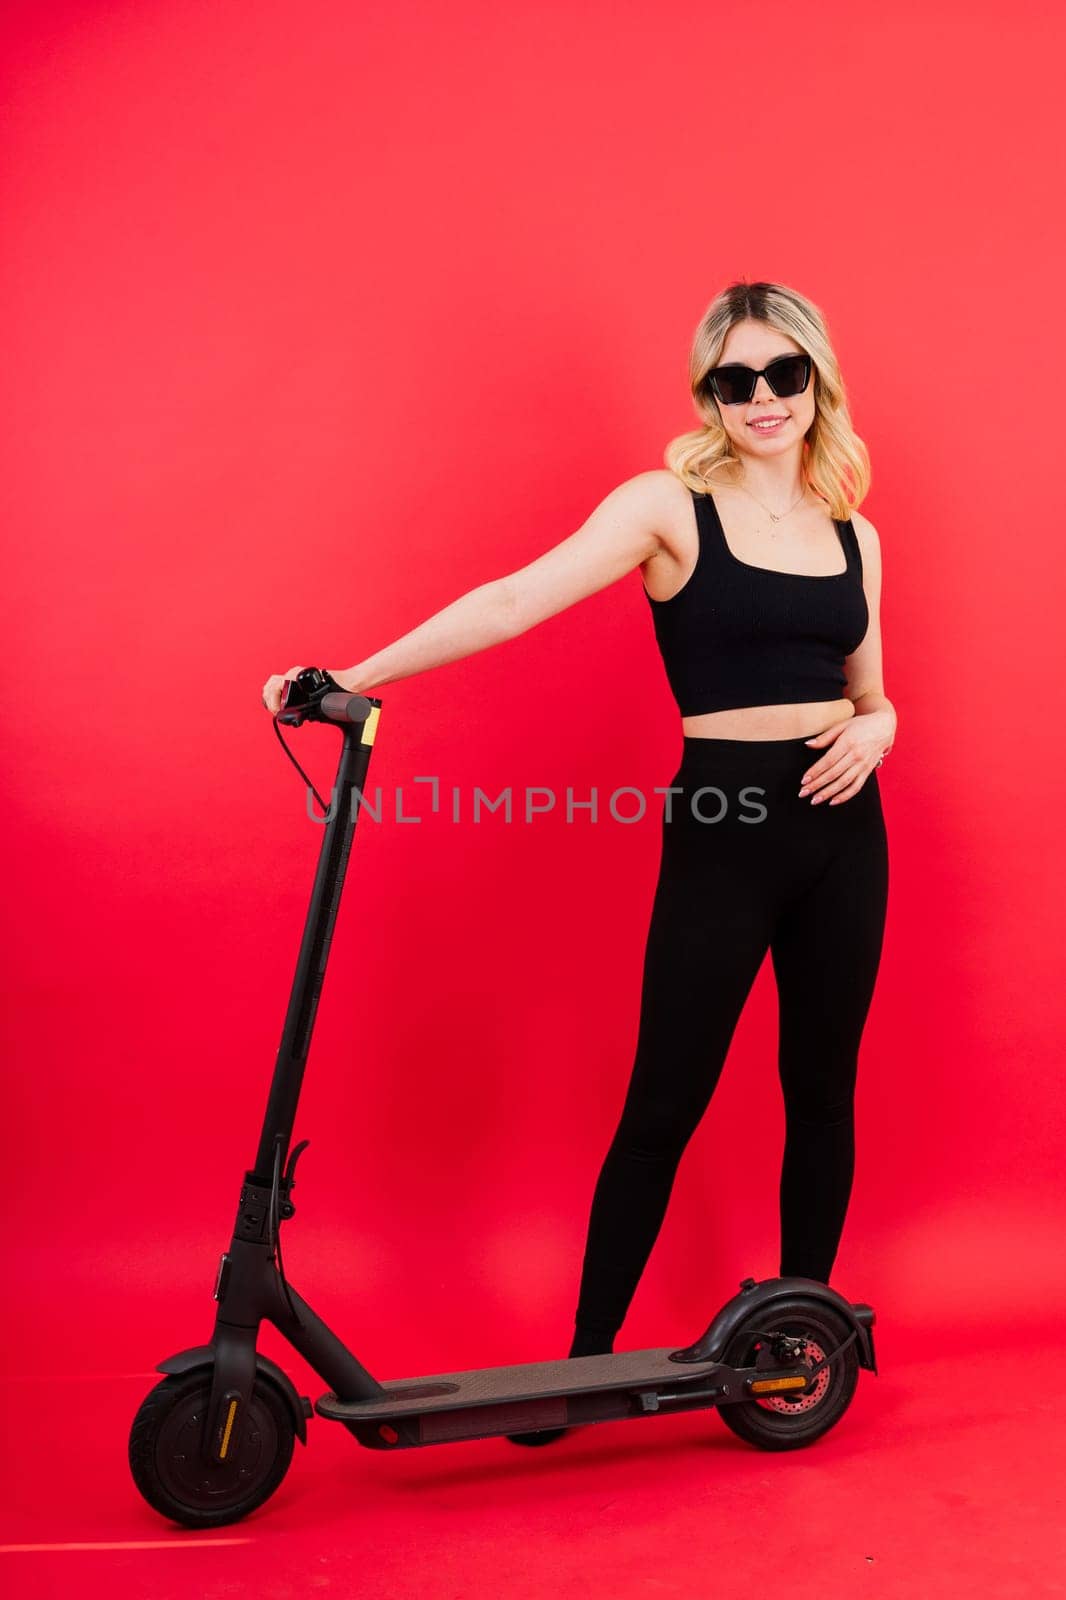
357, 741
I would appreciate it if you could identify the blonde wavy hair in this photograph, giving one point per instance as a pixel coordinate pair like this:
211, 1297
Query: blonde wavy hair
836, 463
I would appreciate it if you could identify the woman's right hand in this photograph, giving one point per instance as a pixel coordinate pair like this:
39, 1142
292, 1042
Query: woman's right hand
275, 687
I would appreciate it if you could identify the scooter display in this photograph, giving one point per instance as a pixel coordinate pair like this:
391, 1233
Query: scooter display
213, 1440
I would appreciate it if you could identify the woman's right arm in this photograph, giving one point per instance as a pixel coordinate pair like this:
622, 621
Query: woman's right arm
620, 534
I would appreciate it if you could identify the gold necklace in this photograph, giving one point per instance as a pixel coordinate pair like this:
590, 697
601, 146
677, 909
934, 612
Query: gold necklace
775, 516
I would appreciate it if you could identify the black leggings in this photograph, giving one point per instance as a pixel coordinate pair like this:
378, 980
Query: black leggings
766, 870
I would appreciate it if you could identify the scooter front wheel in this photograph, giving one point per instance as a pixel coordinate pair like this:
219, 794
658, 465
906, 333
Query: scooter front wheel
169, 1465
790, 1420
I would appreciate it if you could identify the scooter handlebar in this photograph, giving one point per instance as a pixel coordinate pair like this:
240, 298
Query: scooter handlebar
313, 696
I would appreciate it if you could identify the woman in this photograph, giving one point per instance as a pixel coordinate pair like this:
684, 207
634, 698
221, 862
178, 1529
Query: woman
772, 834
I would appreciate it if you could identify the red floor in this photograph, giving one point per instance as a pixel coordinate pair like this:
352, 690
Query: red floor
938, 1481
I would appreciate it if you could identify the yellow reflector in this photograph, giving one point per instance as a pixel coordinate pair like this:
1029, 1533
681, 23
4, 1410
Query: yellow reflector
370, 726
769, 1385
228, 1429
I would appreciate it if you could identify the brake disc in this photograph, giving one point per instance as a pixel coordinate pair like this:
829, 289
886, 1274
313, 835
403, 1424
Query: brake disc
806, 1399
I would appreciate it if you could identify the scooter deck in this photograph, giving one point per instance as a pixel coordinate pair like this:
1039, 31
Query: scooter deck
535, 1380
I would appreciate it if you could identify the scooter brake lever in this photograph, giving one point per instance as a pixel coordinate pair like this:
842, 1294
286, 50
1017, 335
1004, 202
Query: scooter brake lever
300, 696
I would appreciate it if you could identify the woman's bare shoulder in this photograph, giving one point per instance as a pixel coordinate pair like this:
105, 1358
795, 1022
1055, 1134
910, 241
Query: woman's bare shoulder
658, 499
657, 486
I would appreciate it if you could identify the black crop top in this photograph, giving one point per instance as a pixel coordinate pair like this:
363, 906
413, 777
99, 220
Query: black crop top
740, 635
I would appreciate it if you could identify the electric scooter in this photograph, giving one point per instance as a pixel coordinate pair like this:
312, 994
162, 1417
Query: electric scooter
211, 1442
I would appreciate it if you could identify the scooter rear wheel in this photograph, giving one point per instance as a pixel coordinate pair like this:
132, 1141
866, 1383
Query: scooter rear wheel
165, 1452
788, 1421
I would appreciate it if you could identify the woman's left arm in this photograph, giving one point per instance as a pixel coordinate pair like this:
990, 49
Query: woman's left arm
859, 744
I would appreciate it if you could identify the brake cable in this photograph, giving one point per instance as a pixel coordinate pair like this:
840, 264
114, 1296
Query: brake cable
303, 774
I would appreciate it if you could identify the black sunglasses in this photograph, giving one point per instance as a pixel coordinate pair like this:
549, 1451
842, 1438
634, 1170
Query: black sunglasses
734, 385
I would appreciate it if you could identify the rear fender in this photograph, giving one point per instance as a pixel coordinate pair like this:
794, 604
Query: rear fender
757, 1297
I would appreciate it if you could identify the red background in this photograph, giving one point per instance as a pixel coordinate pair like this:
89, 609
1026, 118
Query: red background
315, 318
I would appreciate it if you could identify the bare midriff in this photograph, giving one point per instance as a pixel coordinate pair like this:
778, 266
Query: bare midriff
769, 722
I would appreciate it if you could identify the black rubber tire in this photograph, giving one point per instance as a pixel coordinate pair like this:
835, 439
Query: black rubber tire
787, 1428
164, 1452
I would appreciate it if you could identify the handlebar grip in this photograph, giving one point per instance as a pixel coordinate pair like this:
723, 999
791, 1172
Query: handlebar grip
339, 706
